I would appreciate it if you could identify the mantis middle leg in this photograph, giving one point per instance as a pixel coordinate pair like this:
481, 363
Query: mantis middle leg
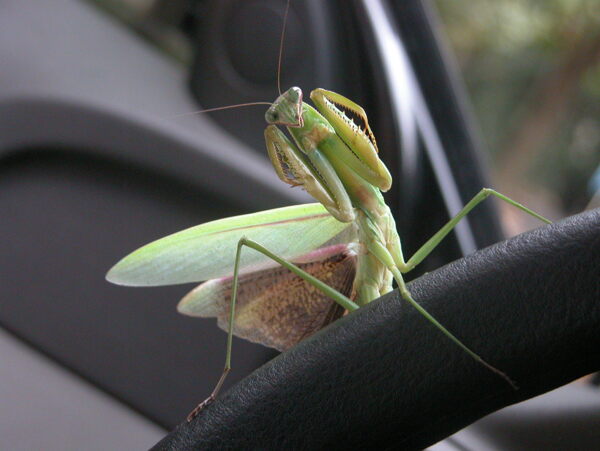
432, 243
335, 295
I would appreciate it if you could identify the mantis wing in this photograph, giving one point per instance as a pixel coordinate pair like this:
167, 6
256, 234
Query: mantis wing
275, 307
207, 251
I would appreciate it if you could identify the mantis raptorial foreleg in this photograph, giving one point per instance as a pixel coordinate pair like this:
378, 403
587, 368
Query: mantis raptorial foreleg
335, 295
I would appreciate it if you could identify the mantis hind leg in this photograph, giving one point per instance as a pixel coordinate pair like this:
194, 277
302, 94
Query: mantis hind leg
406, 295
432, 243
326, 289
391, 257
387, 259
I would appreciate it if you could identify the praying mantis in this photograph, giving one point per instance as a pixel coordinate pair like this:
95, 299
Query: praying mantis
311, 263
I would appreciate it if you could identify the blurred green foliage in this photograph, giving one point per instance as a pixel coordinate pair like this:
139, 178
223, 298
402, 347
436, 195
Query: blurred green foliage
532, 70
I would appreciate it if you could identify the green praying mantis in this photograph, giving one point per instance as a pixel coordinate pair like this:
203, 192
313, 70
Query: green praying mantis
311, 263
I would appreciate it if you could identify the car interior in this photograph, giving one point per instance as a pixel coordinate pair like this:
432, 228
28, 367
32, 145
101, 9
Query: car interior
101, 151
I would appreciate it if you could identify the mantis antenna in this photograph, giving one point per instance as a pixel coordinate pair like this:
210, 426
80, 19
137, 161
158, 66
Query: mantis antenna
241, 105
226, 107
281, 39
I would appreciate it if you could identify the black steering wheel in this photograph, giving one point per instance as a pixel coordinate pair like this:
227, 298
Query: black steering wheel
382, 377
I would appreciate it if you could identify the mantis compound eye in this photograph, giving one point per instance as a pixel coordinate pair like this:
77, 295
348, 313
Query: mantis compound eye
271, 116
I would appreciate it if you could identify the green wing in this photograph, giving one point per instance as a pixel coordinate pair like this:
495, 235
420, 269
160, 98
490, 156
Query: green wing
207, 251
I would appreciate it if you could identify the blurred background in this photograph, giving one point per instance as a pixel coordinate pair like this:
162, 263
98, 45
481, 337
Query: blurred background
99, 155
532, 70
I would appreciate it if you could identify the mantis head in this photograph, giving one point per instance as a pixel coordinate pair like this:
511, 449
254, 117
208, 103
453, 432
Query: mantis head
287, 109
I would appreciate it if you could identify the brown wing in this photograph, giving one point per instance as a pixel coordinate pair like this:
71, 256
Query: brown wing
275, 307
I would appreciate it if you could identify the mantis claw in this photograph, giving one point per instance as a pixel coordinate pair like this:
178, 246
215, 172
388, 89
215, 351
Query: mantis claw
351, 124
200, 407
213, 396
314, 173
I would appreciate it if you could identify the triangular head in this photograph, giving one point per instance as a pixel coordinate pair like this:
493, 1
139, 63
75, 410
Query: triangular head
287, 109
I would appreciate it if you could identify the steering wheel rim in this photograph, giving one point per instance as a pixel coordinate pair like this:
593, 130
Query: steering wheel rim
383, 377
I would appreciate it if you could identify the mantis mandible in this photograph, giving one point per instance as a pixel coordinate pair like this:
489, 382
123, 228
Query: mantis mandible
311, 262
